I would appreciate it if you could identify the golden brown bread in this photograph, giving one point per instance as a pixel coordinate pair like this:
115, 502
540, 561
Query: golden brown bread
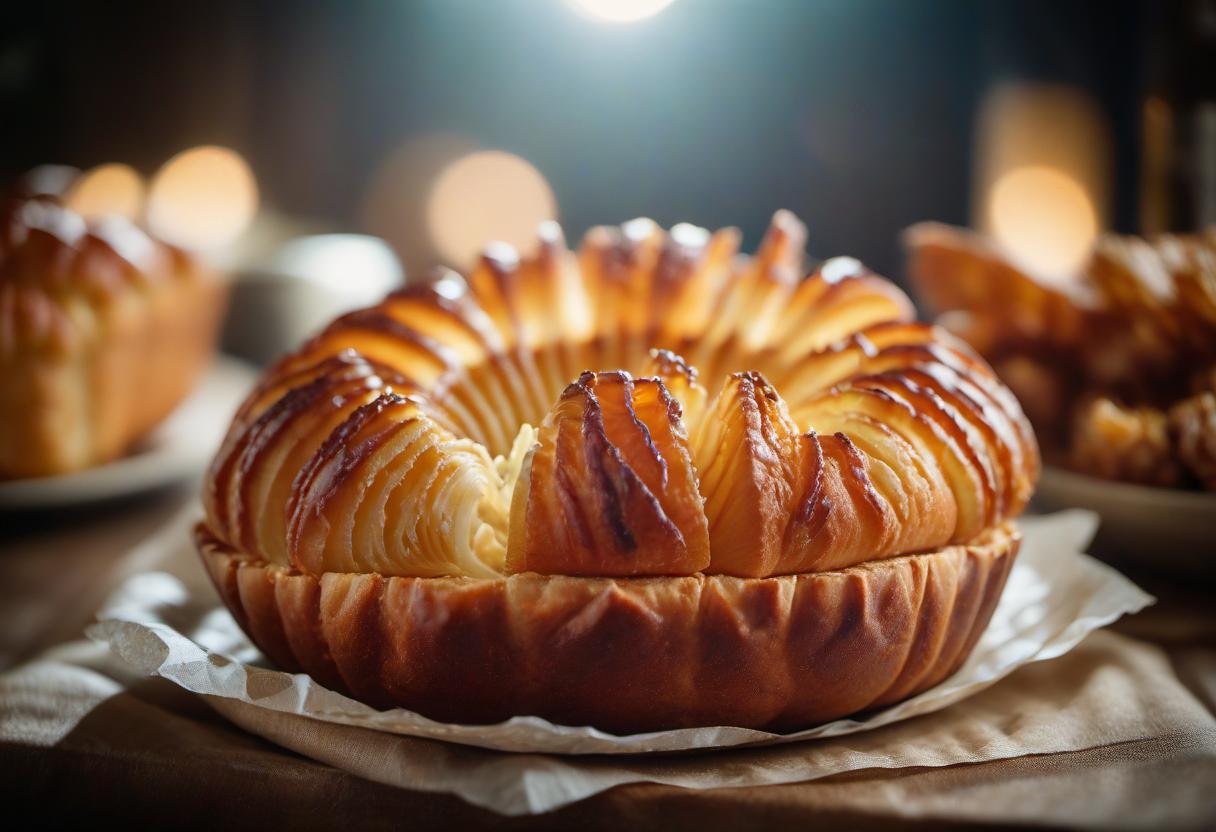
1104, 363
837, 432
626, 654
568, 484
619, 493
102, 332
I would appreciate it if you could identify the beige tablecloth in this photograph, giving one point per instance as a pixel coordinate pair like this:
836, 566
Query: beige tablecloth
82, 739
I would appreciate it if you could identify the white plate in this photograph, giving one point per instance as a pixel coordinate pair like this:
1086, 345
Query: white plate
1160, 527
178, 449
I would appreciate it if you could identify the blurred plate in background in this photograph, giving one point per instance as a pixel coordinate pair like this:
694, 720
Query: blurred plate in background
178, 449
1161, 528
282, 298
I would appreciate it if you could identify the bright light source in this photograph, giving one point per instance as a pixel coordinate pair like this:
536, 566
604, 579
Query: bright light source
621, 11
202, 198
1043, 175
1044, 219
487, 196
107, 191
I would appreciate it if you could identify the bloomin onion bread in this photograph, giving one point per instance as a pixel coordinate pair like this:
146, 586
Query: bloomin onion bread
103, 330
648, 484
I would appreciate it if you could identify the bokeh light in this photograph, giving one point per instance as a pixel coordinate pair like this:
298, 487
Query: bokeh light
486, 196
106, 191
203, 198
1044, 219
394, 203
621, 11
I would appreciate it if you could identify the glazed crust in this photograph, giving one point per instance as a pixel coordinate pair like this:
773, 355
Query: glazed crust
626, 654
1105, 363
103, 331
462, 502
781, 425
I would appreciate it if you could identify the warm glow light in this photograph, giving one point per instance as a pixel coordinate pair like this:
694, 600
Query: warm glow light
394, 204
622, 11
1043, 175
484, 196
107, 191
202, 198
1044, 219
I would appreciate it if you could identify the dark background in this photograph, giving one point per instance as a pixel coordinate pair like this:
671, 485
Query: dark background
857, 115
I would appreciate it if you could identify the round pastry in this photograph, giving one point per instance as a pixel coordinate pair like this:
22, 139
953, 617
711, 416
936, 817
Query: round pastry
646, 485
103, 331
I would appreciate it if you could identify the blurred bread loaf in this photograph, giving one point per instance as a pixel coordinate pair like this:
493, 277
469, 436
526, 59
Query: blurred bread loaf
103, 331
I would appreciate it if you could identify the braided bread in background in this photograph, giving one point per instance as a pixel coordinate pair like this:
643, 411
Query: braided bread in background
1116, 369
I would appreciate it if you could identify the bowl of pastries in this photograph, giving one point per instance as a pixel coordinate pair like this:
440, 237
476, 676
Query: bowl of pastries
1116, 370
104, 330
646, 484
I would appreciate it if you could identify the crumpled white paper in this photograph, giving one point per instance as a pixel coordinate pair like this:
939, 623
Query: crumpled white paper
1054, 597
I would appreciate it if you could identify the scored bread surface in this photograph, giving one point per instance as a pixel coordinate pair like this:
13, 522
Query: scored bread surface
627, 654
650, 483
677, 409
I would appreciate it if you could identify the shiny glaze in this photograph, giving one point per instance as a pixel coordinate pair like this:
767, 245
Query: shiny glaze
60, 275
897, 437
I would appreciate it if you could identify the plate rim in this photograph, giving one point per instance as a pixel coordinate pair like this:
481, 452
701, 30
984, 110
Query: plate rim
166, 462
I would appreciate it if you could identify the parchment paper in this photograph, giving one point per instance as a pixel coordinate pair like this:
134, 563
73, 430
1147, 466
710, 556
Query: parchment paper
1054, 597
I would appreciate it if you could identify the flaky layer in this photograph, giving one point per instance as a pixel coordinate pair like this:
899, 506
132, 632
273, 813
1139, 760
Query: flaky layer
626, 654
611, 488
695, 410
